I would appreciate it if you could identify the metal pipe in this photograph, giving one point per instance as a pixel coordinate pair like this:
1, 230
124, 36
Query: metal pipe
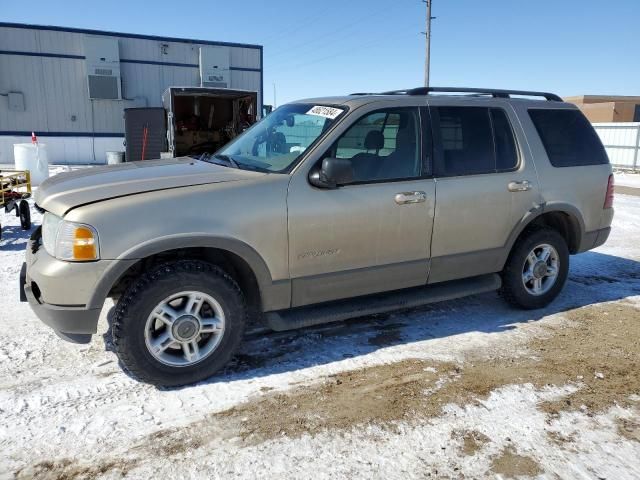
635, 155
427, 59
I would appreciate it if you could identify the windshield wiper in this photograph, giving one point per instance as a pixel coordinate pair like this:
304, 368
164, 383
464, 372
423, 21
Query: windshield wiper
228, 159
254, 168
233, 163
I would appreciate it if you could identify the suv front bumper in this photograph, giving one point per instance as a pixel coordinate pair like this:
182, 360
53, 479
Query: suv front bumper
58, 292
74, 324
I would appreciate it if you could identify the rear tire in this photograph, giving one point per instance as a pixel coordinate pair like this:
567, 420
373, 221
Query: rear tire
200, 326
536, 270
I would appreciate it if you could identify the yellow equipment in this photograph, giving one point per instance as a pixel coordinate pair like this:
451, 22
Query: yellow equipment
15, 188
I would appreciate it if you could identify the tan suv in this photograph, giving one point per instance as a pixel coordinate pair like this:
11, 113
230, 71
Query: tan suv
327, 209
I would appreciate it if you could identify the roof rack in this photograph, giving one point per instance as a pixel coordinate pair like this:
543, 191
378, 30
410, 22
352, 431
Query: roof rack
496, 93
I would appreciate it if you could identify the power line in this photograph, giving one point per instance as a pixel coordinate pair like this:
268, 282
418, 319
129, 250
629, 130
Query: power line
298, 26
328, 37
352, 49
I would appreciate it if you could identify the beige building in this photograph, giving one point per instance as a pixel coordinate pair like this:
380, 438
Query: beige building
608, 108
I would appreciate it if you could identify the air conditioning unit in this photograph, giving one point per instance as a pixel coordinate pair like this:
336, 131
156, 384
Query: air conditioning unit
102, 57
214, 67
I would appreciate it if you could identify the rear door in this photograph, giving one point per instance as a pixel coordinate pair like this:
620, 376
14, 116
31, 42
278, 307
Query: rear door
486, 183
374, 234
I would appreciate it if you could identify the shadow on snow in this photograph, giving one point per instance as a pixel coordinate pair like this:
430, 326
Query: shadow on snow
593, 278
14, 238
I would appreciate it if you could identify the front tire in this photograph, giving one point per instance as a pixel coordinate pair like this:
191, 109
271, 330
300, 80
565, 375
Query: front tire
179, 324
536, 270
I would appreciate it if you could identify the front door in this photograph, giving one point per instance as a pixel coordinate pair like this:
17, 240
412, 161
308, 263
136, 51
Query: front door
374, 234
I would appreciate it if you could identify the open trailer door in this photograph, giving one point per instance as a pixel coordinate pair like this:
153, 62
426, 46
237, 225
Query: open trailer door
202, 120
145, 133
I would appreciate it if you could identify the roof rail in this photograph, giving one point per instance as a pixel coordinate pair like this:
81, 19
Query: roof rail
496, 93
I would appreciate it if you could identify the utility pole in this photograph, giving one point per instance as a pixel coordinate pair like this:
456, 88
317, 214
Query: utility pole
427, 34
274, 96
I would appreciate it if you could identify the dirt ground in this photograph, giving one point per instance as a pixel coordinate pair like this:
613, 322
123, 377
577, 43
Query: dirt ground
597, 352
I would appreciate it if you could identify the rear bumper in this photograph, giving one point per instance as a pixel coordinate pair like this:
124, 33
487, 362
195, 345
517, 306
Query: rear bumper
594, 239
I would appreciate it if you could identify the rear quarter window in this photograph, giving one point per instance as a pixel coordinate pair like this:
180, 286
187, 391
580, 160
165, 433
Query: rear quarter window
568, 138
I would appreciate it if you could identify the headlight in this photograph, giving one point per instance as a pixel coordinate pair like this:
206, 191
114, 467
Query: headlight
50, 224
69, 241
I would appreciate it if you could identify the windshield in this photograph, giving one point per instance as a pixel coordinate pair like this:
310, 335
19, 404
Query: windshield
280, 139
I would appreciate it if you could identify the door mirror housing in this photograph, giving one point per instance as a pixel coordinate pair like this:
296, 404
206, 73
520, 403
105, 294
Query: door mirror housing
333, 173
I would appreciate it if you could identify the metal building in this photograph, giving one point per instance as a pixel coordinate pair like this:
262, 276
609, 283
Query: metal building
71, 86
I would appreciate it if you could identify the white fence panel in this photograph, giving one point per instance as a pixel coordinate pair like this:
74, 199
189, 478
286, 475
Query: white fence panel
622, 142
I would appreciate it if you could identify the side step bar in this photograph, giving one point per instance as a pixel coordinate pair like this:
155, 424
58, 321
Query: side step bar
380, 303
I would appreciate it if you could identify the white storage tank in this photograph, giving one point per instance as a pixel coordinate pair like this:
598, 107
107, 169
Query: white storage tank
32, 157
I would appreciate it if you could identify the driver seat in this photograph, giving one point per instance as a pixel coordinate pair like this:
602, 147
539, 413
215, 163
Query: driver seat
366, 164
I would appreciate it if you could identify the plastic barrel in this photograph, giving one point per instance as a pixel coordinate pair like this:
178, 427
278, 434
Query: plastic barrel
32, 157
114, 158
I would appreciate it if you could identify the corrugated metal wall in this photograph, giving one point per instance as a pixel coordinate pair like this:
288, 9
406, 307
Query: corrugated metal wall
46, 64
622, 142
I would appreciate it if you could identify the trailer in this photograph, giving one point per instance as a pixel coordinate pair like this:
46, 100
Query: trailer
15, 188
192, 121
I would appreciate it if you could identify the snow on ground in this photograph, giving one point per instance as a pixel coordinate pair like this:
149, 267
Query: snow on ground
68, 411
627, 179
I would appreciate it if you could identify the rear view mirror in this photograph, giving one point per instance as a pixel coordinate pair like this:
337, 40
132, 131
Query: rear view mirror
291, 121
333, 173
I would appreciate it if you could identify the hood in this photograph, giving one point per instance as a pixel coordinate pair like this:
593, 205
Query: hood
65, 191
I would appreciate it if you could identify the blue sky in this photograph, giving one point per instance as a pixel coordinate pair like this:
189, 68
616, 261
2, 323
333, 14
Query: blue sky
330, 47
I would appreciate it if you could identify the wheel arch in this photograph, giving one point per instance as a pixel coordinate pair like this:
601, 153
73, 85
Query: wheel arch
240, 260
564, 218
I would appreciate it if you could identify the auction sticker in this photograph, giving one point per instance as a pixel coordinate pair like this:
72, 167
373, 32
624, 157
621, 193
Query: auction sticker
326, 112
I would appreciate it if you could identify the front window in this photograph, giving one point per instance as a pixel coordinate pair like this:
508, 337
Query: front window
383, 145
278, 141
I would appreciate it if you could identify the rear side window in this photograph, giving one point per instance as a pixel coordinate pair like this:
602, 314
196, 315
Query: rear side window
568, 138
474, 140
467, 146
505, 143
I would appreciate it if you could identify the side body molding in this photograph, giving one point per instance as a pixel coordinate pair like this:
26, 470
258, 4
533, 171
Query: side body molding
275, 295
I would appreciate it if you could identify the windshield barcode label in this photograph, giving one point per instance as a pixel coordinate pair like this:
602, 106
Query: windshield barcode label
326, 112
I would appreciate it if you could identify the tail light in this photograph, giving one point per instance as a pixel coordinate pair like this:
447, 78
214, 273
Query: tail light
608, 199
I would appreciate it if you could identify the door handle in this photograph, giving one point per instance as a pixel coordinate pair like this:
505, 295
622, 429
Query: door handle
403, 198
522, 186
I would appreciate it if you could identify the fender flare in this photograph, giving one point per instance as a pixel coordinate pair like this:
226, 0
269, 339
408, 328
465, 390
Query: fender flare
566, 208
268, 288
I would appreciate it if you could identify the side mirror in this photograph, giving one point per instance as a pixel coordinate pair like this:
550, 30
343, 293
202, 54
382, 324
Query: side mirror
334, 172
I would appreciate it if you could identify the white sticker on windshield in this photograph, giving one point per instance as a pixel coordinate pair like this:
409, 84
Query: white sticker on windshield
326, 112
